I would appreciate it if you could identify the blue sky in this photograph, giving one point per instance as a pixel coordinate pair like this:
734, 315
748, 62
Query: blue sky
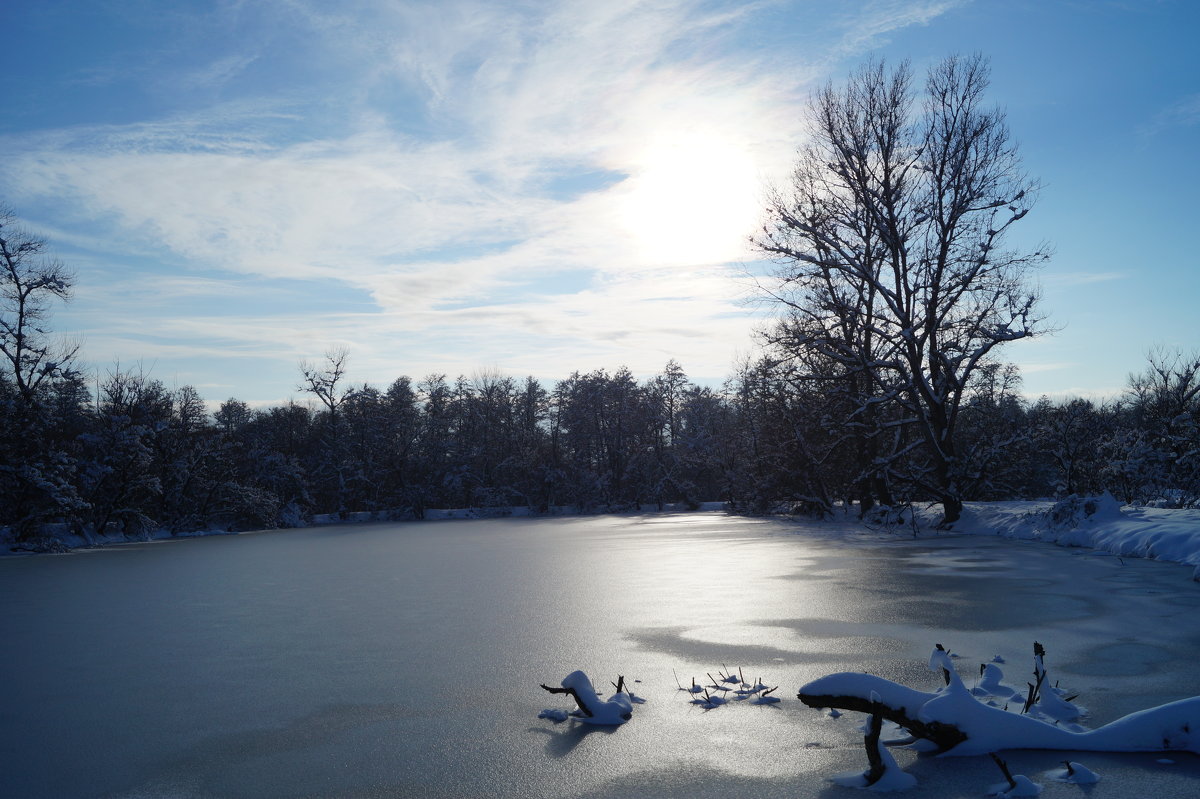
540, 188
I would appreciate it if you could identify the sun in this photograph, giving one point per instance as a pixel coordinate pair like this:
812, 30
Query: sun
691, 199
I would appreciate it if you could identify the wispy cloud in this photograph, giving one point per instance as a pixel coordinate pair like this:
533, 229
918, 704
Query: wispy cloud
1068, 279
868, 26
1183, 113
216, 73
441, 200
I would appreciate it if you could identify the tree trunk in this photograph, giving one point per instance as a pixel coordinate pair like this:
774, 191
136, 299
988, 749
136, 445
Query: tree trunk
952, 507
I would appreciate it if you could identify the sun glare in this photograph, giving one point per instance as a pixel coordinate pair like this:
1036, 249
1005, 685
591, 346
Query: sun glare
691, 199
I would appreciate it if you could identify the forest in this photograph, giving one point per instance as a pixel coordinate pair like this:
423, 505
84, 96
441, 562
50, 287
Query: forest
127, 455
879, 383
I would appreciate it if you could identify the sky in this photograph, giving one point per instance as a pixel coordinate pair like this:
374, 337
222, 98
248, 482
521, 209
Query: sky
542, 188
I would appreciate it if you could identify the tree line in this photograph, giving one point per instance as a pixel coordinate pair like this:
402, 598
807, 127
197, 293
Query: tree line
130, 456
880, 382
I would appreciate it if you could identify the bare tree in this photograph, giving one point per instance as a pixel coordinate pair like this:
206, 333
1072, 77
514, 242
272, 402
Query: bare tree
890, 245
323, 381
30, 281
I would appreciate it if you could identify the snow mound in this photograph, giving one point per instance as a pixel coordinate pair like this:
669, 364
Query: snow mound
990, 685
1074, 511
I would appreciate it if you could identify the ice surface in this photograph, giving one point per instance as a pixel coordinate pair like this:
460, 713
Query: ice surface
403, 659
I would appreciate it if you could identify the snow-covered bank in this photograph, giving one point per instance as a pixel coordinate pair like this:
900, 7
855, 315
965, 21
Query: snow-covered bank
1100, 523
58, 538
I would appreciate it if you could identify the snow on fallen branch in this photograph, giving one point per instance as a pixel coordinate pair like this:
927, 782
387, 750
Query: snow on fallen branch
615, 710
959, 723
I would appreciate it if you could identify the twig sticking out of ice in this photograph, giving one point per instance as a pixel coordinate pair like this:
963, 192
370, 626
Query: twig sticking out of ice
764, 697
747, 691
1046, 701
1076, 773
1020, 786
709, 701
1039, 674
1050, 704
727, 686
1017, 785
939, 661
1054, 706
619, 686
691, 689
990, 685
722, 684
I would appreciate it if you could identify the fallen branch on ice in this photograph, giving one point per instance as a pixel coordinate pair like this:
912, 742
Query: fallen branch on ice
618, 709
958, 723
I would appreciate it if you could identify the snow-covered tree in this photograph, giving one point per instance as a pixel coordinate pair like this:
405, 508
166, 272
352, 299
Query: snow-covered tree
997, 441
120, 471
1164, 406
662, 468
1069, 437
779, 447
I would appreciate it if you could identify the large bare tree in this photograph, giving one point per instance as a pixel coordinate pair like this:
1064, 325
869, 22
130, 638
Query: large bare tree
890, 241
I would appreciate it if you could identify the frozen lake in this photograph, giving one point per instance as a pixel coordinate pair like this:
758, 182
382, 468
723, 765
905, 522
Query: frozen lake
404, 660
